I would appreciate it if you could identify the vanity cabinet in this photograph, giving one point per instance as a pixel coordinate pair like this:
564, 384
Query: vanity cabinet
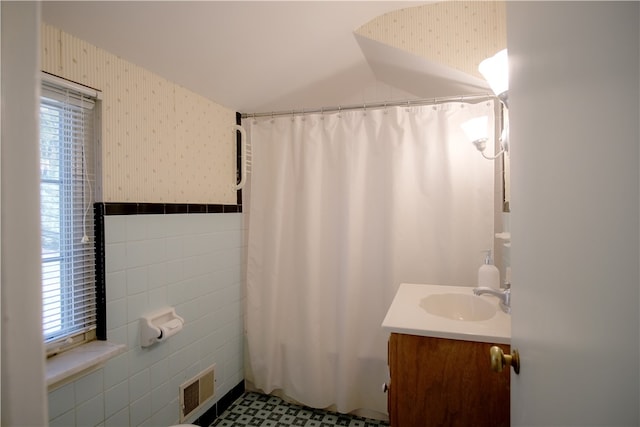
445, 382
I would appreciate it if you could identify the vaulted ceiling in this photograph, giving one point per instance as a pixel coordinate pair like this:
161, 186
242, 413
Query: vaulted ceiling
256, 56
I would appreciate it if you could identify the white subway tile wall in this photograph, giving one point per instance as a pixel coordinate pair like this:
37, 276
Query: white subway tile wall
192, 262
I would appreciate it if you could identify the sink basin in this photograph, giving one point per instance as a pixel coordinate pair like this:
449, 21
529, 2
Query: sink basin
459, 307
447, 311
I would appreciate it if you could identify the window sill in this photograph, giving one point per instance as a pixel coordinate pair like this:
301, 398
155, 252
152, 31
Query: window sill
75, 363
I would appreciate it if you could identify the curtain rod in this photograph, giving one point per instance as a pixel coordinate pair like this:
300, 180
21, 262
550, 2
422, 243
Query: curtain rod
373, 105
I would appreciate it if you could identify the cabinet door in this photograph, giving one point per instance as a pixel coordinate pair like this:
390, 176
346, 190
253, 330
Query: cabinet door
442, 382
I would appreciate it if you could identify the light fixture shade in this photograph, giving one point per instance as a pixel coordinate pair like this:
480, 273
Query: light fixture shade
476, 128
496, 72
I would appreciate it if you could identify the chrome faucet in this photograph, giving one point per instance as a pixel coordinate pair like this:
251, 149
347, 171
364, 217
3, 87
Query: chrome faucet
504, 295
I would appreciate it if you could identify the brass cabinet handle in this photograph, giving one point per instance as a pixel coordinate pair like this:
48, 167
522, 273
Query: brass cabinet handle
499, 360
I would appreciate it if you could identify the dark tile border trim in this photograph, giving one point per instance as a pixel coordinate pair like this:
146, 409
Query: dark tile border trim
111, 208
206, 419
239, 164
101, 298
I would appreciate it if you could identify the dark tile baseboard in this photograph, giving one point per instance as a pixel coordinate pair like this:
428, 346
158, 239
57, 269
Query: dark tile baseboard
220, 406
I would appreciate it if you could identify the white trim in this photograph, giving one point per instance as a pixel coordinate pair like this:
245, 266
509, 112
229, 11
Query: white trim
68, 84
80, 361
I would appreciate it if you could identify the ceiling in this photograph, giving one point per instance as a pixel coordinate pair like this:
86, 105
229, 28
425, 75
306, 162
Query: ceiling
261, 56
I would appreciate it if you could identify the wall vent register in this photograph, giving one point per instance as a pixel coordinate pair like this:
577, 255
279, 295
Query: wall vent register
196, 392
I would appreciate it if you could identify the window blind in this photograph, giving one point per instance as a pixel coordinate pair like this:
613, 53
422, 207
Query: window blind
67, 169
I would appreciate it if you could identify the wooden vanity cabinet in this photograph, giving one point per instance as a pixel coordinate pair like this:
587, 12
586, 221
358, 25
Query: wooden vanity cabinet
445, 382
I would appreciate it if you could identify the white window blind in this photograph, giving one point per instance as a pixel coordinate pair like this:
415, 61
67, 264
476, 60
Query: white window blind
67, 170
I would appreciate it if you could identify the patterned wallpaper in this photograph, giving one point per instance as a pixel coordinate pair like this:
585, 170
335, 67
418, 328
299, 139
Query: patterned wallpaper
459, 34
161, 143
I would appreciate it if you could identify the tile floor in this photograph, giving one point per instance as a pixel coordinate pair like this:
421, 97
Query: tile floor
254, 409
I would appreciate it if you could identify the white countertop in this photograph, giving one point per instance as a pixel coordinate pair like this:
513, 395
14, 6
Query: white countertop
405, 316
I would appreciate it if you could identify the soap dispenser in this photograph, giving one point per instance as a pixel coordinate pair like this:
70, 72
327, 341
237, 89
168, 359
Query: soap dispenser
488, 274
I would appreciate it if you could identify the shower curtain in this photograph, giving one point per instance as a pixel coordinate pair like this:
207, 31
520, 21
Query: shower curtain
343, 208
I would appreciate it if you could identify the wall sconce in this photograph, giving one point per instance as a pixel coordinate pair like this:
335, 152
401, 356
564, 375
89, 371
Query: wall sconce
495, 70
476, 131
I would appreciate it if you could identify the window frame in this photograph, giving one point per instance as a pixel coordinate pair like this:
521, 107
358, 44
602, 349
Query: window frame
55, 344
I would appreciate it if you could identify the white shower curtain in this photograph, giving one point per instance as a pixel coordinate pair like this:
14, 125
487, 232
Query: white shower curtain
343, 208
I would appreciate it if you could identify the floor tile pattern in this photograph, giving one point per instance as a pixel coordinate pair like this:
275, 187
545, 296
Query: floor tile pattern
259, 410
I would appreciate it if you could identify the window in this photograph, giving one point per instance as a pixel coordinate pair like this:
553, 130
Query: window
67, 188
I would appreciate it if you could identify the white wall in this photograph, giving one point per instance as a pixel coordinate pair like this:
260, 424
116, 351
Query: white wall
192, 262
23, 391
574, 112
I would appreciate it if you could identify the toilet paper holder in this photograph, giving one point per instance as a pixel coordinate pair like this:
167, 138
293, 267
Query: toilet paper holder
159, 325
